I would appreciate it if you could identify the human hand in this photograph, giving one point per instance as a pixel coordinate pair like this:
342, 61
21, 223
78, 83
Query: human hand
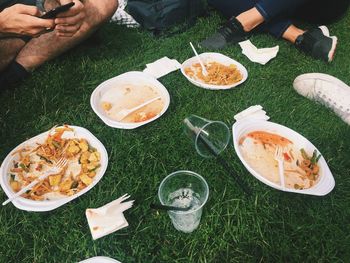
21, 19
69, 22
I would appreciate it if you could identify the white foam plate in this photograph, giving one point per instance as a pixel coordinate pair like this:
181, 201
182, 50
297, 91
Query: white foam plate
132, 77
217, 57
326, 181
100, 260
47, 205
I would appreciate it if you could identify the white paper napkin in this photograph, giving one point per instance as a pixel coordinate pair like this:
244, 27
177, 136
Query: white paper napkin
253, 112
162, 67
259, 55
108, 218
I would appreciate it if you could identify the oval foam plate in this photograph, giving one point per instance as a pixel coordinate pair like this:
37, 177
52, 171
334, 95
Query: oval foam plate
128, 78
211, 57
326, 182
47, 205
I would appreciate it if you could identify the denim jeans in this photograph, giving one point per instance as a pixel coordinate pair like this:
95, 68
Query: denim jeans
278, 14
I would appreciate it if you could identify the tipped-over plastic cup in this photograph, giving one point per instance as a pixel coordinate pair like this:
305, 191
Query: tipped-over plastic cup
214, 132
188, 190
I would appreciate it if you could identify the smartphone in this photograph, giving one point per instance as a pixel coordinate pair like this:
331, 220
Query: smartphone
54, 12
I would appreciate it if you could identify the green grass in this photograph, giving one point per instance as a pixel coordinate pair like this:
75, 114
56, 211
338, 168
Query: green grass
269, 226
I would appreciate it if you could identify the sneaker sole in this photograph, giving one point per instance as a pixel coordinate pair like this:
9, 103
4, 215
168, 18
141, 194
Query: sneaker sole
320, 76
331, 53
325, 30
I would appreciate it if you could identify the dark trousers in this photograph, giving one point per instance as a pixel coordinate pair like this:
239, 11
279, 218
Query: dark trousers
7, 3
278, 14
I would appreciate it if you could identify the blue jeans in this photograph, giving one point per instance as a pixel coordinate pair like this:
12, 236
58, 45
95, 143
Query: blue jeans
278, 13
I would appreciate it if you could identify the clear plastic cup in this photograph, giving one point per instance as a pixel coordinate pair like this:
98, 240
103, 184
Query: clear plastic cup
184, 189
216, 133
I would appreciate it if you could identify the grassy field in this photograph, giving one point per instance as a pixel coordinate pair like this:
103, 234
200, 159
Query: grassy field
268, 226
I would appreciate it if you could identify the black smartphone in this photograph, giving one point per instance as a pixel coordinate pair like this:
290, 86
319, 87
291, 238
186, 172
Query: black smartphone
54, 12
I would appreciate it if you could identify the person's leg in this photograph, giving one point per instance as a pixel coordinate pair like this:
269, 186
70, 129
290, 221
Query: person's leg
231, 8
271, 9
249, 15
321, 11
48, 46
316, 42
273, 17
292, 33
9, 48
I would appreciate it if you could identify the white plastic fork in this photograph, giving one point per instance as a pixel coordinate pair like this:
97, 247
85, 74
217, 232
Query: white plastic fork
53, 170
204, 70
279, 158
125, 112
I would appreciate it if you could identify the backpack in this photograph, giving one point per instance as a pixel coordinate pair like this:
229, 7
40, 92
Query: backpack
160, 15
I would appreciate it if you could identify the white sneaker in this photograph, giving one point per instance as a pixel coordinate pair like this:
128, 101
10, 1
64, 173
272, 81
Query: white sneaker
327, 90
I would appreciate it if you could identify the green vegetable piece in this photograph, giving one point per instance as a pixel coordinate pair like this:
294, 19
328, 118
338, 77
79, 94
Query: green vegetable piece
74, 185
97, 166
314, 156
304, 154
25, 168
318, 158
56, 144
44, 158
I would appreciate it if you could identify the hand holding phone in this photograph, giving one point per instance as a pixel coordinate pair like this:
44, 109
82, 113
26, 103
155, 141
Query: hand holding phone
69, 22
54, 12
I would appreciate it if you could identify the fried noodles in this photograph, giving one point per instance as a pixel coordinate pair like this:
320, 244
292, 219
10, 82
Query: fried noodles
218, 74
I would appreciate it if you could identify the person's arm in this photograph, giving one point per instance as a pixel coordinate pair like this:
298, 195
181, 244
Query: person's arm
19, 20
68, 23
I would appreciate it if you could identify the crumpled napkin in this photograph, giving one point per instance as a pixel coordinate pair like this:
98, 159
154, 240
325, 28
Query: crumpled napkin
259, 55
253, 112
108, 218
162, 67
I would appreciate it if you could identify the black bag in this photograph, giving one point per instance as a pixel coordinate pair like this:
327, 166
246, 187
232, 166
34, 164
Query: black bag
160, 15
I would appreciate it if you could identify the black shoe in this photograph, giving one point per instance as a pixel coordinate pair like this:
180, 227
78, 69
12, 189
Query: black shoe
317, 43
12, 75
232, 32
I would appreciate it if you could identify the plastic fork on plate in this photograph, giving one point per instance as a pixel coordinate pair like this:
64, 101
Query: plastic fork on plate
125, 112
53, 170
280, 159
204, 70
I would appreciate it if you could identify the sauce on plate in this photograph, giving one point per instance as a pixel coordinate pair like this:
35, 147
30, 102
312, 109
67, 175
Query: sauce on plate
129, 96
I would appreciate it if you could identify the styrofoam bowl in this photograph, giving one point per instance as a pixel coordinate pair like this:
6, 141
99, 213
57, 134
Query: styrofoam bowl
100, 259
326, 181
47, 205
211, 57
132, 77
